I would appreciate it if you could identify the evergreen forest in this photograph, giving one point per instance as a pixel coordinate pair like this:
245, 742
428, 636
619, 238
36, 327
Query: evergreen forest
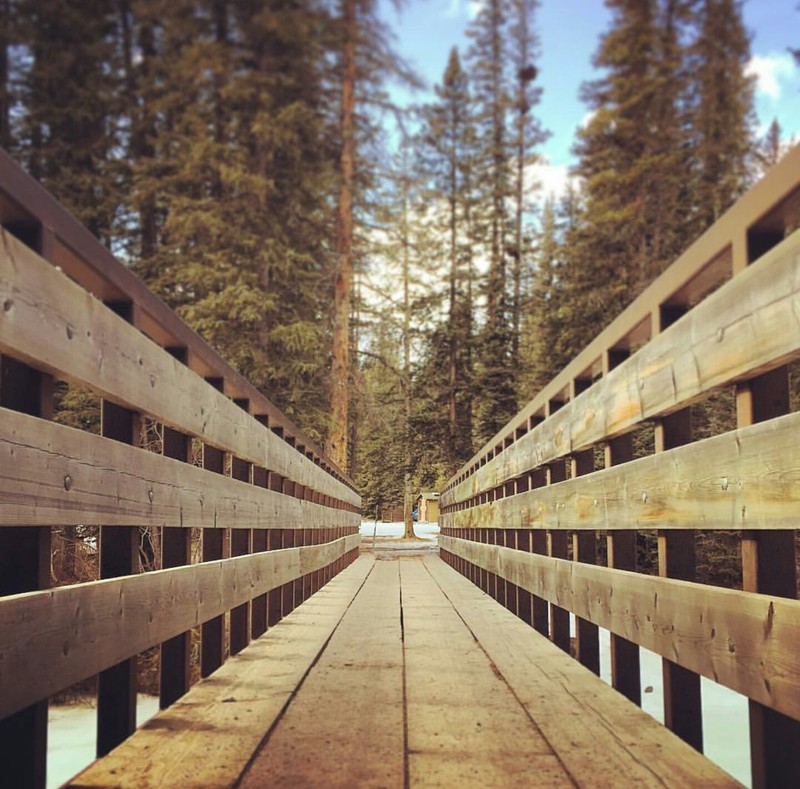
392, 277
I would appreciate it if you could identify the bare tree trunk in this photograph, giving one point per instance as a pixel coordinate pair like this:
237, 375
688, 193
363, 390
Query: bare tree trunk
340, 370
408, 491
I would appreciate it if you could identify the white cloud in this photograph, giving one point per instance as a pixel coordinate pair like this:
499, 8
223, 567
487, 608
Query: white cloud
771, 71
553, 179
474, 8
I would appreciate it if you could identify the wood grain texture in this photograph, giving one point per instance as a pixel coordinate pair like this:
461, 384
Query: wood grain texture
465, 726
207, 738
52, 474
54, 324
747, 642
52, 639
749, 325
745, 479
344, 728
600, 738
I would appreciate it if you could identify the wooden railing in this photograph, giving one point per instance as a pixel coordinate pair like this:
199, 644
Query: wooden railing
276, 518
607, 450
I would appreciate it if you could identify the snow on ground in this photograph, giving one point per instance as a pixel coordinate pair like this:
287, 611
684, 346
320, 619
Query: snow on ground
726, 728
385, 540
72, 733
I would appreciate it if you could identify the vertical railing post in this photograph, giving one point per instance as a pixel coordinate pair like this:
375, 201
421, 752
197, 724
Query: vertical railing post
176, 543
25, 567
557, 548
241, 545
584, 549
119, 549
212, 637
621, 547
676, 559
769, 567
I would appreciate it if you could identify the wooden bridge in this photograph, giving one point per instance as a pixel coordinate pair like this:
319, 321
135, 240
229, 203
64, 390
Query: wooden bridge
321, 667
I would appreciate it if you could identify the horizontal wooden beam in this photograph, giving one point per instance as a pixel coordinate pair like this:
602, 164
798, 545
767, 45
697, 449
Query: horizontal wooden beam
745, 479
726, 240
51, 639
53, 324
74, 249
52, 474
748, 326
745, 641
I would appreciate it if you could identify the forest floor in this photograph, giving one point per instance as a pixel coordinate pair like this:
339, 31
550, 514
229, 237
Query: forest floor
385, 540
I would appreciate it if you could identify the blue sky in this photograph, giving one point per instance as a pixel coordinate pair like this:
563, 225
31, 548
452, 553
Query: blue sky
569, 31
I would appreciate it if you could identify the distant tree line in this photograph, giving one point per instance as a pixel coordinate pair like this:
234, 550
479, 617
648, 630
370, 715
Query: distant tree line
513, 283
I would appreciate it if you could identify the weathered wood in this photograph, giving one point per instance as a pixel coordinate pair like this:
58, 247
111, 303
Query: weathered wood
465, 728
683, 713
625, 664
745, 641
345, 726
769, 566
25, 566
744, 479
208, 737
54, 324
747, 326
63, 241
90, 627
599, 737
54, 474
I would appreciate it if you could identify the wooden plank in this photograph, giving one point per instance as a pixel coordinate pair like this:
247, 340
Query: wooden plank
747, 326
748, 642
465, 726
601, 738
51, 639
345, 726
744, 479
55, 325
51, 473
207, 738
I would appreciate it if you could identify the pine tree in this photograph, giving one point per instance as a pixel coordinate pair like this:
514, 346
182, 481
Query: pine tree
447, 146
722, 108
632, 162
527, 135
68, 128
542, 321
236, 184
495, 392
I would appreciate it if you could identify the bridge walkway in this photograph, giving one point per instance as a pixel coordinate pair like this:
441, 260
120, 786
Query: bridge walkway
401, 673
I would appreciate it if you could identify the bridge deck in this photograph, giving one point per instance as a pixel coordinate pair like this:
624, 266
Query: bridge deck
402, 673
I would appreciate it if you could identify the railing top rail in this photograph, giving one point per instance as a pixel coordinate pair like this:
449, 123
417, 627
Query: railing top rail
27, 210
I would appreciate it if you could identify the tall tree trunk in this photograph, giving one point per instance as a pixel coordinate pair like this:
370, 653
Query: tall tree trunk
452, 431
340, 371
408, 491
